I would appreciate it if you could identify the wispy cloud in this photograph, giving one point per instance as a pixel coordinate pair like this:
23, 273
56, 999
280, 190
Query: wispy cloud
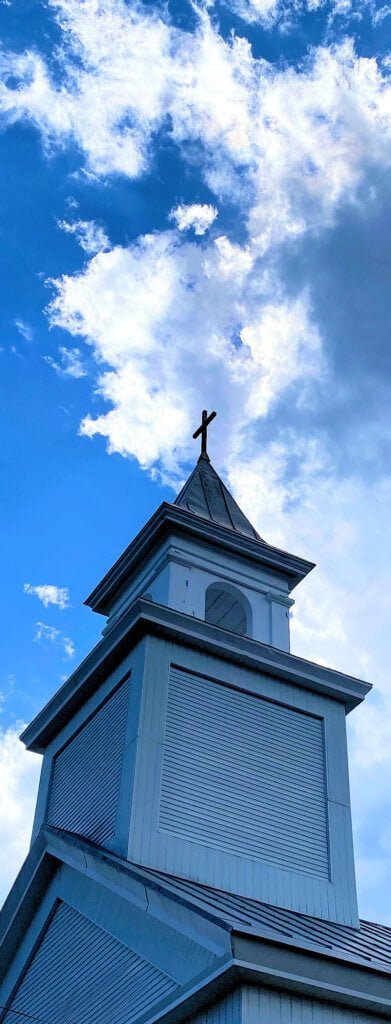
69, 647
90, 236
24, 329
46, 634
70, 363
49, 594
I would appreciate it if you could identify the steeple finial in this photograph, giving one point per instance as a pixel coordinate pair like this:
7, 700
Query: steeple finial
203, 430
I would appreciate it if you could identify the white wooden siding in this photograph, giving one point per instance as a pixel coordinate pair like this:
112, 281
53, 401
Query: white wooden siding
86, 773
244, 775
81, 975
263, 1006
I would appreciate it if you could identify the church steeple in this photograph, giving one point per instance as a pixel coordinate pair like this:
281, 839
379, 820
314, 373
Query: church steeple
200, 539
193, 825
191, 741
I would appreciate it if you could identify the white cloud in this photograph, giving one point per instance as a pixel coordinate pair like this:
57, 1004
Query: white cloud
69, 647
198, 216
265, 12
19, 775
136, 306
108, 100
49, 594
46, 634
380, 14
70, 365
91, 236
290, 144
24, 329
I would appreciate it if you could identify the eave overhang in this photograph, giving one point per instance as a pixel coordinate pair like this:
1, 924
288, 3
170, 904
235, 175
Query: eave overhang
145, 618
170, 519
337, 986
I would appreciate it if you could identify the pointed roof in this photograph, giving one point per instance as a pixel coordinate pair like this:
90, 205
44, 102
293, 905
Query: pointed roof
205, 495
205, 509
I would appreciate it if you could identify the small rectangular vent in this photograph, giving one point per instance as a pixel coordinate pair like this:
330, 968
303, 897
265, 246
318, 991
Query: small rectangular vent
244, 775
87, 772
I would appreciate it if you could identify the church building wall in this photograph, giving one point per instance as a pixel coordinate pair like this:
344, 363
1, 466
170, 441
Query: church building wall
251, 1004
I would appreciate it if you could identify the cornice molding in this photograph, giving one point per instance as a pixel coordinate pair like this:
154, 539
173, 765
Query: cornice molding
146, 618
170, 519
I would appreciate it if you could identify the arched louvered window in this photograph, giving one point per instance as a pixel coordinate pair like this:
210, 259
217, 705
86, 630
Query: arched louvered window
228, 608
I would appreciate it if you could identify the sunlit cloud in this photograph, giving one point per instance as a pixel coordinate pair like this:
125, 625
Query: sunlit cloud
48, 594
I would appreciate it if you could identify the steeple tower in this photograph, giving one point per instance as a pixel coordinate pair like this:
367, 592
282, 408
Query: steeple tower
194, 776
226, 756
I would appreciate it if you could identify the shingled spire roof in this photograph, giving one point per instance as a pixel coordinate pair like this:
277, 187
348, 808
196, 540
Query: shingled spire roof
206, 496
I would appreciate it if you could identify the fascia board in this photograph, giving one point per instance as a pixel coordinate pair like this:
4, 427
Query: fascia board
147, 618
338, 988
197, 996
74, 850
139, 888
340, 985
168, 518
317, 976
24, 897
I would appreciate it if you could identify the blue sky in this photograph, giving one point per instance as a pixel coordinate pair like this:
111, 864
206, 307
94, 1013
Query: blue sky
196, 212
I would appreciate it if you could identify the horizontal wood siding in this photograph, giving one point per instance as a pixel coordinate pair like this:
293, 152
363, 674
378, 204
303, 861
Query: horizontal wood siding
86, 773
82, 975
244, 775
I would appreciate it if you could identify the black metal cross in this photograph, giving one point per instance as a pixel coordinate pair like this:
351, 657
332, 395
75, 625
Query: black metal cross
203, 430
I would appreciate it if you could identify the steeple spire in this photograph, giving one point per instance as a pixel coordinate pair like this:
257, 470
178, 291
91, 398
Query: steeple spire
205, 494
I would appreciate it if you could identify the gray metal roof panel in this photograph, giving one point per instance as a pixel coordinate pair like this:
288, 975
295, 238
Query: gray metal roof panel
205, 495
370, 944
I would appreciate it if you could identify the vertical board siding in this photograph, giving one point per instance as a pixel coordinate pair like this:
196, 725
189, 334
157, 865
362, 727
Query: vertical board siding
82, 975
225, 1011
86, 773
244, 775
263, 1006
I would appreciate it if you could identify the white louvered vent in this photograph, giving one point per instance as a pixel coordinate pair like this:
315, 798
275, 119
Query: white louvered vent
244, 775
86, 774
82, 974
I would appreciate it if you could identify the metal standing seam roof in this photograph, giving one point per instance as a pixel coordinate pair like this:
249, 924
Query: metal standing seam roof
370, 944
205, 495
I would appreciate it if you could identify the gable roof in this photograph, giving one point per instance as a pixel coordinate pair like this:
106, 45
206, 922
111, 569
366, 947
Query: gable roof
367, 946
232, 939
205, 495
